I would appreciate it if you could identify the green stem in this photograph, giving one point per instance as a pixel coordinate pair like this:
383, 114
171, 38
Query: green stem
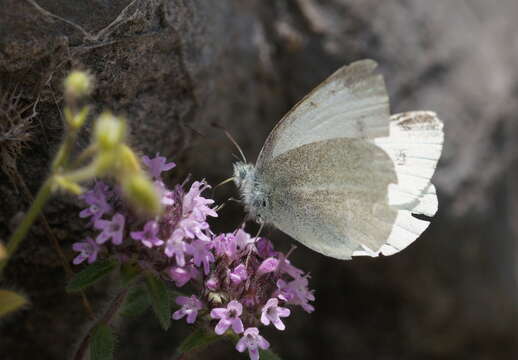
107, 319
65, 150
21, 231
55, 242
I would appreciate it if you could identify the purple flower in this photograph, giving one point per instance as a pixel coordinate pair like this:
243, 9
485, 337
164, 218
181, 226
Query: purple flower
296, 292
228, 316
148, 236
268, 265
252, 341
291, 270
272, 312
243, 239
177, 247
239, 274
179, 275
111, 229
200, 251
225, 244
182, 275
193, 228
167, 197
191, 222
157, 165
212, 283
88, 250
196, 204
265, 248
190, 307
97, 198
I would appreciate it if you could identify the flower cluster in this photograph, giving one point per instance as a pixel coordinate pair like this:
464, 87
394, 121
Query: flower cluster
247, 286
240, 282
181, 232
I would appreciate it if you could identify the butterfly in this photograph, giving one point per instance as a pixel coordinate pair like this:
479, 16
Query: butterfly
341, 175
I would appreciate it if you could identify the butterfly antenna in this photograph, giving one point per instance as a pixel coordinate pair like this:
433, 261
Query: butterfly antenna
227, 134
235, 144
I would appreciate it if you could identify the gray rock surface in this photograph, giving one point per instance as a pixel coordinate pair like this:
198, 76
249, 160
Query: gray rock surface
173, 67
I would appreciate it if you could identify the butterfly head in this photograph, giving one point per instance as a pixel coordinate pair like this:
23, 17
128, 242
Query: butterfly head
252, 190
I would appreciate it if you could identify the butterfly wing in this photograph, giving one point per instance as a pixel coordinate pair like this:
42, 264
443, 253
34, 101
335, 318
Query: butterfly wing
343, 176
332, 196
351, 103
414, 146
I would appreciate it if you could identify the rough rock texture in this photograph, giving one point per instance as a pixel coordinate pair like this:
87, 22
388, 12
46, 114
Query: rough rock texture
173, 67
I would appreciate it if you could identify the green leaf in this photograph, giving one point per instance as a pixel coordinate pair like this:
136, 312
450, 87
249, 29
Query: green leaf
11, 301
102, 344
159, 297
129, 272
197, 341
268, 355
91, 274
137, 302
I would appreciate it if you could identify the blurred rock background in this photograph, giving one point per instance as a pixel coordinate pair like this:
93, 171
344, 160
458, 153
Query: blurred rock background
174, 67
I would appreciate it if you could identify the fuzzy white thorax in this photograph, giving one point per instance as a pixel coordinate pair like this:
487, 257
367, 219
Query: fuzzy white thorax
252, 190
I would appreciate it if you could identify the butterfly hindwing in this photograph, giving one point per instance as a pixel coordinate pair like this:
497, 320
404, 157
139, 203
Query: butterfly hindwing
331, 195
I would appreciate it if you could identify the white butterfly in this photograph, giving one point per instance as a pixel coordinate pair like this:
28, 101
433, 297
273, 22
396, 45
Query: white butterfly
342, 176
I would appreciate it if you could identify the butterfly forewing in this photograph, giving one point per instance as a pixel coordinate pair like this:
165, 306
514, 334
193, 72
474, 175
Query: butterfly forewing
351, 103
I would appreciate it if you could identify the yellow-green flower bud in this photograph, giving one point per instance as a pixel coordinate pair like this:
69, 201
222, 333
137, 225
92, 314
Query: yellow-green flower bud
78, 84
216, 298
128, 161
141, 192
109, 131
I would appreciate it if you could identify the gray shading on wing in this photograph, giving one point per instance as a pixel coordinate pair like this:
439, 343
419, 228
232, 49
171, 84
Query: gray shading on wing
331, 195
351, 103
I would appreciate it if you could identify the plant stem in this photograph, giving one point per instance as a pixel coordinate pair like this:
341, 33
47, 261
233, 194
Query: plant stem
19, 234
107, 318
64, 151
55, 244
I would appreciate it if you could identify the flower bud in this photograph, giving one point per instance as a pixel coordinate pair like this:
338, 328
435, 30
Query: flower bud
141, 192
212, 283
78, 84
267, 266
216, 298
179, 275
128, 161
109, 131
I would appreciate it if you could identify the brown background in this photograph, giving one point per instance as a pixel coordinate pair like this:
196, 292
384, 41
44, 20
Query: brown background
175, 66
